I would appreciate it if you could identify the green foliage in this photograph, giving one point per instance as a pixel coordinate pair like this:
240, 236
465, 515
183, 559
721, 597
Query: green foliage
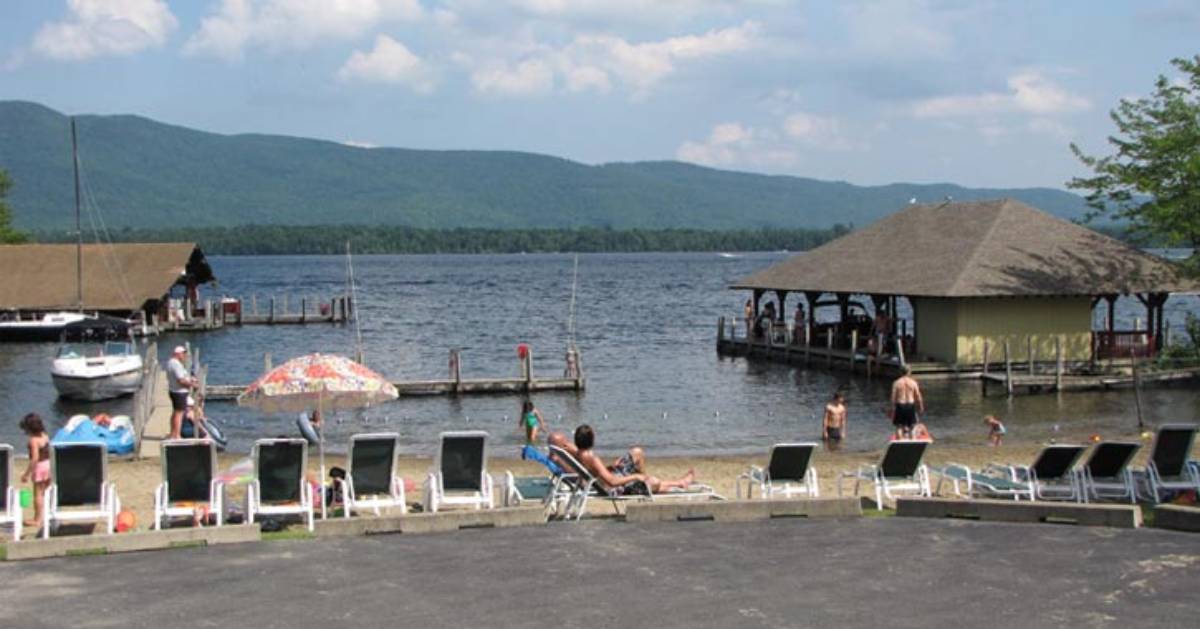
1152, 181
7, 234
145, 174
332, 239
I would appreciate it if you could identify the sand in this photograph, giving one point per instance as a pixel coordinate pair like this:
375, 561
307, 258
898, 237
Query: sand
136, 479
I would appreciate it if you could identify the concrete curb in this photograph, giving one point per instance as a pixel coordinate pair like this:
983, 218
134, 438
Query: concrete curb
1177, 518
430, 522
131, 542
742, 510
1117, 516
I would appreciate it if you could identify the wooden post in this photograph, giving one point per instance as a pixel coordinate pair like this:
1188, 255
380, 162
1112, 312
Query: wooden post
1008, 383
240, 307
266, 362
1058, 363
528, 362
254, 304
303, 310
1137, 387
853, 349
1029, 353
720, 331
807, 342
986, 348
285, 305
455, 370
829, 348
272, 317
900, 352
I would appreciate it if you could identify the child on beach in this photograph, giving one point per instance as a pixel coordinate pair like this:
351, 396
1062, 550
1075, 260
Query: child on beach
531, 420
921, 432
39, 462
834, 424
996, 430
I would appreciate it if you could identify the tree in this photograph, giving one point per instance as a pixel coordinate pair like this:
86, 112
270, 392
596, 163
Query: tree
1153, 180
7, 234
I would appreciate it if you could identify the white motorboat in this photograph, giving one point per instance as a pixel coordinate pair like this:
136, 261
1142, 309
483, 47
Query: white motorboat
98, 360
47, 328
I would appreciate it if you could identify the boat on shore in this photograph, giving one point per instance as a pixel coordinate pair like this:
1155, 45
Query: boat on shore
98, 360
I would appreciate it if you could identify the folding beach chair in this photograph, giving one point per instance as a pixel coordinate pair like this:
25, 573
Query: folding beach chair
1052, 475
1169, 468
1106, 472
788, 473
970, 484
10, 508
516, 490
279, 486
79, 482
371, 483
577, 485
188, 472
900, 470
459, 475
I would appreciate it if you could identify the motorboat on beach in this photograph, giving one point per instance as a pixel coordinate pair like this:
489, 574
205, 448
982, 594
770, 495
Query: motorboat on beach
48, 327
98, 360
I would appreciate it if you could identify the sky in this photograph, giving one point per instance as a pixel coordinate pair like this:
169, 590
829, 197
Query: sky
987, 93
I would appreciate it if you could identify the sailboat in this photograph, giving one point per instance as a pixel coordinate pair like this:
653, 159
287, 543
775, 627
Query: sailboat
98, 359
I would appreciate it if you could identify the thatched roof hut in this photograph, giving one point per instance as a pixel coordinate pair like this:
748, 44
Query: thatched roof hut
981, 271
117, 278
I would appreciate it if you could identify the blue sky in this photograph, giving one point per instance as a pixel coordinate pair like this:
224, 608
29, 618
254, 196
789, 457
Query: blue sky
979, 93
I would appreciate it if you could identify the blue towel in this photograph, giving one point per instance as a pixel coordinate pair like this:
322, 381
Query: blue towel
531, 453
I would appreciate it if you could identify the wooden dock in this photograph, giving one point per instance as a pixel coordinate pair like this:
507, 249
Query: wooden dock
238, 312
1075, 382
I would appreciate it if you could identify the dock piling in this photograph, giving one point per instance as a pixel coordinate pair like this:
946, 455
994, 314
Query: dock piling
829, 348
1030, 353
272, 316
1008, 381
1058, 363
853, 349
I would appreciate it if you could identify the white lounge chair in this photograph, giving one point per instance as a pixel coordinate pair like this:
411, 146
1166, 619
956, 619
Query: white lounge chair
577, 485
279, 486
1170, 467
1106, 473
10, 509
188, 471
1052, 476
900, 471
967, 483
371, 482
79, 487
459, 476
787, 474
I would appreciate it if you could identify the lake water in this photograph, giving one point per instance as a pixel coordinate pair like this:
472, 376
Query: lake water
646, 329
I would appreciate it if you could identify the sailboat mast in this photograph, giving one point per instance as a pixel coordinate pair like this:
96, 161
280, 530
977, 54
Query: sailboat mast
78, 223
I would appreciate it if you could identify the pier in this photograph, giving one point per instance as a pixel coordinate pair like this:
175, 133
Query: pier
214, 315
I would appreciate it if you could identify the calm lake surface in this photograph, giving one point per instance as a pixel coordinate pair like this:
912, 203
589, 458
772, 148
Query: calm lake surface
646, 329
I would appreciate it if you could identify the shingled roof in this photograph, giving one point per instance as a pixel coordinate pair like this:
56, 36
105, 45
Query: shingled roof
973, 249
118, 277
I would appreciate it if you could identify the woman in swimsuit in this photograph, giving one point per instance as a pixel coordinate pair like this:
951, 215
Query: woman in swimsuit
39, 462
531, 420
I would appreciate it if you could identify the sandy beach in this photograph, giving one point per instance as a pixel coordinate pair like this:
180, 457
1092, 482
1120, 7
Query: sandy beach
136, 479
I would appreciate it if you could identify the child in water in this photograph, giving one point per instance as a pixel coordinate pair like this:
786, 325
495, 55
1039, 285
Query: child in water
996, 430
531, 420
39, 462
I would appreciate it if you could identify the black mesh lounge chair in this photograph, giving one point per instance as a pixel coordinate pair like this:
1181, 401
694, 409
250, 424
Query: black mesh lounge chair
787, 474
188, 481
10, 499
1106, 472
371, 482
79, 487
900, 471
279, 486
1170, 468
1052, 475
459, 476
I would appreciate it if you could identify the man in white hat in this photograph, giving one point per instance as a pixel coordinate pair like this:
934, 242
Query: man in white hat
179, 384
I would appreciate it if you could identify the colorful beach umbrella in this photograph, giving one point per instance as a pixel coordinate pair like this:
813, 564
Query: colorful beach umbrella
322, 382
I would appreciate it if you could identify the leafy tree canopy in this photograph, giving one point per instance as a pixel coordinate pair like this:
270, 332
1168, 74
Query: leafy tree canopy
7, 234
1152, 181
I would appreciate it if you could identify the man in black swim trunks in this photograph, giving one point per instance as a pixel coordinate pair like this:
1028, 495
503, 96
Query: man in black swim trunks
907, 404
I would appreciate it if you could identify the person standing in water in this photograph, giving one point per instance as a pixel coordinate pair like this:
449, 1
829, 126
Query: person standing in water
907, 404
834, 425
531, 420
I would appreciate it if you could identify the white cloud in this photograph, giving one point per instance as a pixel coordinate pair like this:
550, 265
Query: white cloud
728, 143
277, 25
94, 28
597, 62
1029, 92
388, 62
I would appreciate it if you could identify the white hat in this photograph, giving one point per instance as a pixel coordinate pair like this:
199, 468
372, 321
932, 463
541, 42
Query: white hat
179, 349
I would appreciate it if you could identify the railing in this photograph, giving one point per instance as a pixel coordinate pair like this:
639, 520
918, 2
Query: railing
1109, 345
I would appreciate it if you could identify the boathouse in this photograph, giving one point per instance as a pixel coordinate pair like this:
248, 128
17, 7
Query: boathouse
978, 277
120, 279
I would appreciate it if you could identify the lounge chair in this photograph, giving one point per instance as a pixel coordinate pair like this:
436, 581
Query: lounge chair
79, 480
1106, 472
372, 483
459, 476
10, 494
188, 471
577, 485
516, 490
971, 484
1169, 468
279, 486
900, 470
1052, 476
787, 474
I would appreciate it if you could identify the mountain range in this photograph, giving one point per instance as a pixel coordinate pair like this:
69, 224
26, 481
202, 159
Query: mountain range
147, 174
